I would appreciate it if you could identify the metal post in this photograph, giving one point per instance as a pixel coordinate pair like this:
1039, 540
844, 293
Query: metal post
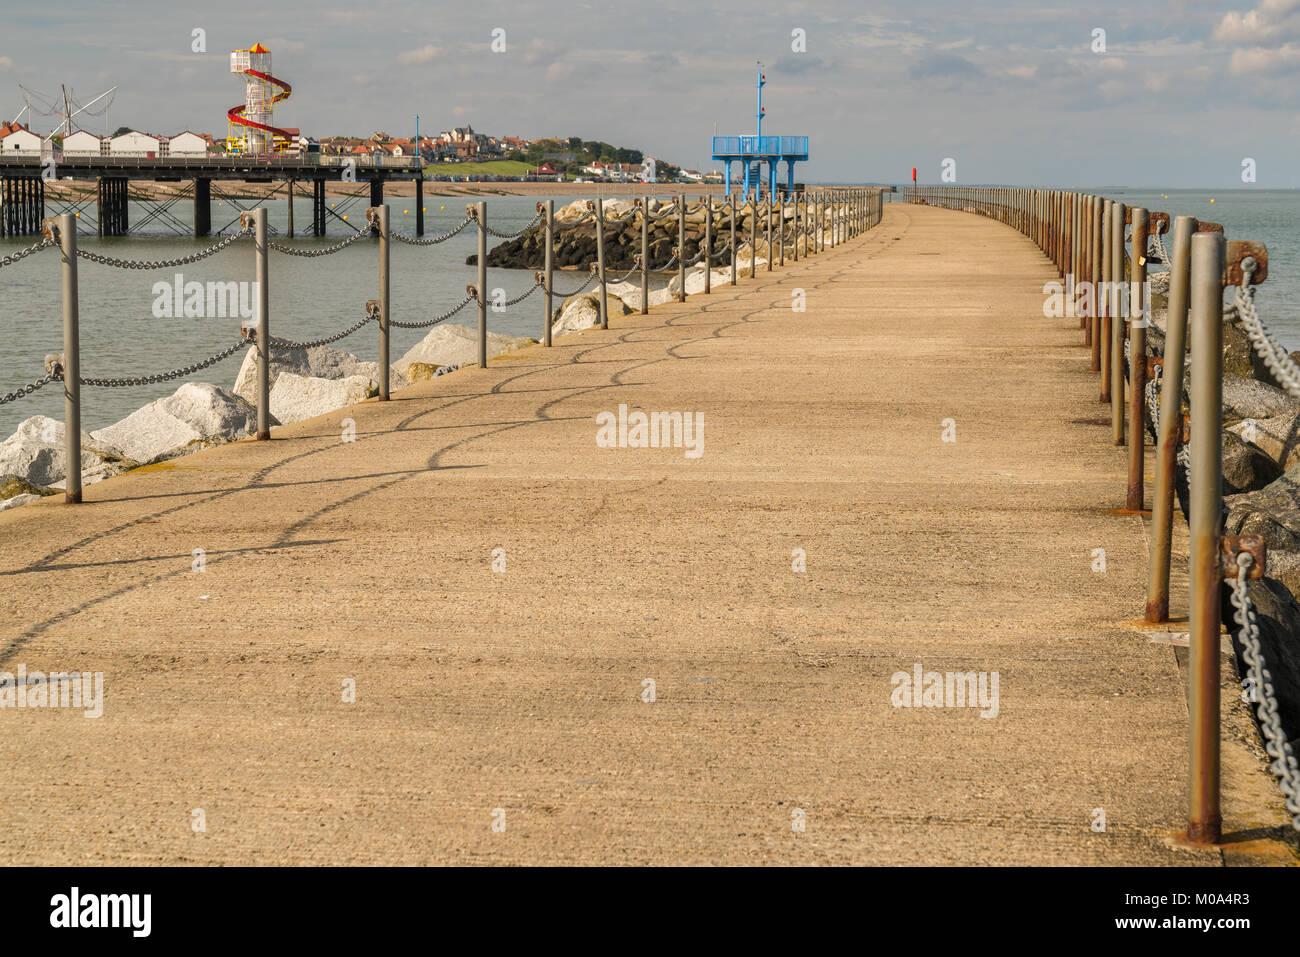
263, 324
1117, 324
384, 248
482, 284
550, 271
600, 262
1094, 277
681, 246
753, 239
733, 239
1103, 297
67, 237
1171, 421
767, 215
419, 203
794, 221
708, 243
1137, 366
290, 205
780, 230
645, 254
1205, 514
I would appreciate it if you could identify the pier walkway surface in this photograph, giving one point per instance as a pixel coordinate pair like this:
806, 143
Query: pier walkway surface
517, 697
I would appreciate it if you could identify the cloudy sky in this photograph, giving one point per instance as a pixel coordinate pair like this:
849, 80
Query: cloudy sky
1013, 91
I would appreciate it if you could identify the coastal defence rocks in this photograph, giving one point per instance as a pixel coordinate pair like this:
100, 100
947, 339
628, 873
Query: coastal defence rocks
575, 242
36, 455
195, 416
296, 398
317, 362
451, 345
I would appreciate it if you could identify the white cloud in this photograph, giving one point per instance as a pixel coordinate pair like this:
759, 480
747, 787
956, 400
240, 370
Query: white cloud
424, 54
1271, 20
1261, 60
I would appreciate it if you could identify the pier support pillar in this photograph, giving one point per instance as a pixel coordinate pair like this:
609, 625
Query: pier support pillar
290, 187
318, 207
377, 192
203, 207
419, 205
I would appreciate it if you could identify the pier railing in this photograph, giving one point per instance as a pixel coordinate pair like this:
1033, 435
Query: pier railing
1103, 250
805, 223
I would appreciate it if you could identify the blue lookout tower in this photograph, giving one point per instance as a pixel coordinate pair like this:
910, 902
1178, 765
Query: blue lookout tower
753, 151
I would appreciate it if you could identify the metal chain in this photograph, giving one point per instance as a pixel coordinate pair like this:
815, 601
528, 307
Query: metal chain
291, 344
434, 240
622, 278
1275, 356
590, 279
24, 253
531, 289
164, 263
433, 322
166, 376
527, 226
313, 253
28, 389
1283, 762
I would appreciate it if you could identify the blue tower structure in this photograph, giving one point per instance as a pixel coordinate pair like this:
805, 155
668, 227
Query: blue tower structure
753, 151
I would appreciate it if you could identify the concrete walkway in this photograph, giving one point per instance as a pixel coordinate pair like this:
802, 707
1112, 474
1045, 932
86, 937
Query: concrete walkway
486, 696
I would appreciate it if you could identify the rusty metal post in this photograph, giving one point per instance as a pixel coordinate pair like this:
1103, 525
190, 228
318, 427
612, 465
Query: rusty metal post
1103, 297
262, 275
1204, 517
1140, 311
794, 208
733, 239
1171, 422
379, 215
767, 218
780, 228
753, 237
1117, 325
1094, 277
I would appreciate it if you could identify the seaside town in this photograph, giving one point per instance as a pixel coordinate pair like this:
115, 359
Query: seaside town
457, 154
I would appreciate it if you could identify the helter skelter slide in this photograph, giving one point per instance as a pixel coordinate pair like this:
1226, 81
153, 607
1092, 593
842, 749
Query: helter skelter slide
250, 122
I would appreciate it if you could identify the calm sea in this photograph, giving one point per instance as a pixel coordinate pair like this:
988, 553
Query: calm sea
310, 298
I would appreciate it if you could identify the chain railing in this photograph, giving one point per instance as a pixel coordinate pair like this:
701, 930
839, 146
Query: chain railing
309, 253
125, 382
204, 253
432, 240
21, 254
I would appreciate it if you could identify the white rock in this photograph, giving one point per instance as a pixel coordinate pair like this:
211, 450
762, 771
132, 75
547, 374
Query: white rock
318, 362
450, 345
195, 416
36, 453
583, 311
612, 208
297, 397
18, 500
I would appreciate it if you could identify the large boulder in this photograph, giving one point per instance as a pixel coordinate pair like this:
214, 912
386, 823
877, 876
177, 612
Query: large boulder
1252, 399
583, 311
451, 345
695, 280
1277, 435
36, 454
1246, 468
297, 397
195, 416
318, 362
630, 293
1273, 512
422, 371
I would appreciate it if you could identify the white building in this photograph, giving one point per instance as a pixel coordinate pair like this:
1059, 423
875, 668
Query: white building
135, 143
84, 143
186, 144
19, 141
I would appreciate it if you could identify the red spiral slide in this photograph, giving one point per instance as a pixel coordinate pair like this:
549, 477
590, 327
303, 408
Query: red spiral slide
234, 113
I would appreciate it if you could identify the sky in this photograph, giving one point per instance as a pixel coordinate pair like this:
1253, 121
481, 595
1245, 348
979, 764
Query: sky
1023, 93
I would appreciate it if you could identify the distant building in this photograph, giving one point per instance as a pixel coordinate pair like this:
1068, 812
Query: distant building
135, 143
181, 145
84, 143
18, 140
